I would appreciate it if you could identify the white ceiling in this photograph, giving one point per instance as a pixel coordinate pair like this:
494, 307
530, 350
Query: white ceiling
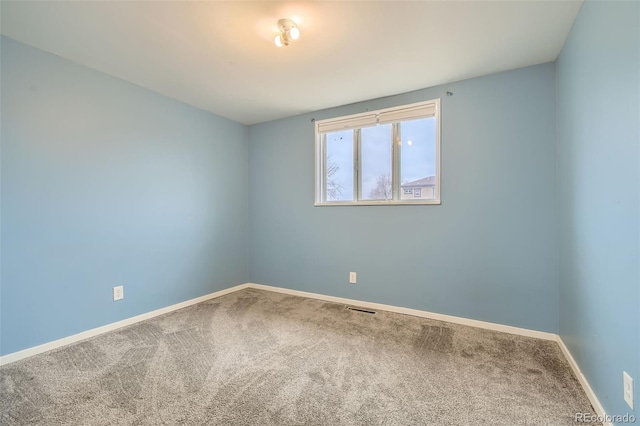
220, 56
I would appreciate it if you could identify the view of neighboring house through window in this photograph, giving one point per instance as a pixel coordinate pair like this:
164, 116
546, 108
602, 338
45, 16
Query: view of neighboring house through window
418, 165
389, 156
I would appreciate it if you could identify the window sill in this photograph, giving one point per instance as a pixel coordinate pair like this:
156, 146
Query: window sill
378, 203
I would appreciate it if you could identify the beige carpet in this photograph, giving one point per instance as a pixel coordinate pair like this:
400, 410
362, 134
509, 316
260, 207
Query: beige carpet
261, 358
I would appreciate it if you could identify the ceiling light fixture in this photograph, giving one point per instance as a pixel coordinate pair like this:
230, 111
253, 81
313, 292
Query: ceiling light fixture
288, 31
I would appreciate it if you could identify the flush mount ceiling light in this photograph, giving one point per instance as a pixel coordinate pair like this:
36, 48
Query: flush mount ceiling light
288, 31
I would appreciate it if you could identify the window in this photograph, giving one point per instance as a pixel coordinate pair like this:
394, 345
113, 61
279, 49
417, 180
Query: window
358, 162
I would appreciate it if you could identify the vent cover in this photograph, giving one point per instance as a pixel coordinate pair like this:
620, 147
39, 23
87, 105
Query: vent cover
364, 311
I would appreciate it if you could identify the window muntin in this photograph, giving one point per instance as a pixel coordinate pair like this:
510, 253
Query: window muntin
389, 156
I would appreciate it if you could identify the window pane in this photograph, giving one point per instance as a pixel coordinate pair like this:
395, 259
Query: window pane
339, 166
418, 164
375, 152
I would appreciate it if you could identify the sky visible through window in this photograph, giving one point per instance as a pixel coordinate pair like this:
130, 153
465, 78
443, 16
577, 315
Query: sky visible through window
340, 173
418, 159
377, 161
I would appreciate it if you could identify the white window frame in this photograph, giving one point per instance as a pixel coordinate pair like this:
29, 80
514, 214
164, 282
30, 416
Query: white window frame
394, 116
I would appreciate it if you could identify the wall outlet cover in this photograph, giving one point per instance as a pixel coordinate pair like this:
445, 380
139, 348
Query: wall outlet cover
628, 389
118, 293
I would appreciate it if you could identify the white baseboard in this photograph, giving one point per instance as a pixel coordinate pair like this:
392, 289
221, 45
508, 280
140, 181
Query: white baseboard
15, 356
415, 312
583, 381
457, 320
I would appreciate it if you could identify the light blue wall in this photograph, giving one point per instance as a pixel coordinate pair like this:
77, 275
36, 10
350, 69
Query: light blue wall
489, 252
598, 80
105, 183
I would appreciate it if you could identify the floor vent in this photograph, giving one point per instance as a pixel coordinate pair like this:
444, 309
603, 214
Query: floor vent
365, 311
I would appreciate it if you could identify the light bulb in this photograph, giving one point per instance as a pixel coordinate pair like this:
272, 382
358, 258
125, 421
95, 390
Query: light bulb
409, 142
294, 33
278, 41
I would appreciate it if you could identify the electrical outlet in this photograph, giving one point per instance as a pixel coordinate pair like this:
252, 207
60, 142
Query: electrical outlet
352, 278
628, 389
118, 293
